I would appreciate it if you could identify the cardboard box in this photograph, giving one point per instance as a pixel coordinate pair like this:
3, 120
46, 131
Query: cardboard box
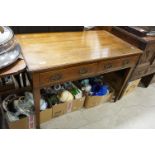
59, 109
74, 105
23, 123
69, 106
92, 101
78, 104
29, 122
62, 108
46, 115
132, 85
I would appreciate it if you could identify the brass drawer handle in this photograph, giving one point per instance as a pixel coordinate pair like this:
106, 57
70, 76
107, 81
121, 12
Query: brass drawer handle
56, 77
108, 66
125, 62
83, 71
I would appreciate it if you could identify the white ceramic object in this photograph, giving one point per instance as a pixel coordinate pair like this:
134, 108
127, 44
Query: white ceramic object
79, 95
87, 88
43, 104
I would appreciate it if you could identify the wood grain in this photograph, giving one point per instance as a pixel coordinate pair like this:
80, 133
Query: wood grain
52, 50
67, 74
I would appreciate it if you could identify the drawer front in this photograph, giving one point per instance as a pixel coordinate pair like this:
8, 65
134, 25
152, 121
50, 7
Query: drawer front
151, 69
111, 65
72, 73
139, 72
148, 54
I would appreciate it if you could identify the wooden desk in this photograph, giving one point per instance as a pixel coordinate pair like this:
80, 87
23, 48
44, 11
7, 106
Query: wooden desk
59, 57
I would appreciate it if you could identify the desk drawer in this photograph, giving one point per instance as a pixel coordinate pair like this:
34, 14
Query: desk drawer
139, 72
111, 65
72, 73
151, 69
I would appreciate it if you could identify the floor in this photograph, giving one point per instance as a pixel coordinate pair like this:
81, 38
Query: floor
134, 111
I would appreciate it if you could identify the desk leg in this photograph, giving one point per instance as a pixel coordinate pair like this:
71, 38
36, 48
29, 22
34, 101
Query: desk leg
146, 80
36, 95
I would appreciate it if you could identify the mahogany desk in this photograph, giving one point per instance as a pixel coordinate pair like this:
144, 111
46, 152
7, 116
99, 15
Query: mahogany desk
54, 58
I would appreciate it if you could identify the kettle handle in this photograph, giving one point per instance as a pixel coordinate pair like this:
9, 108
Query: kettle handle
1, 29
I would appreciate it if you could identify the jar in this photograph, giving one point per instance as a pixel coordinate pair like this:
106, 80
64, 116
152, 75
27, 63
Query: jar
9, 48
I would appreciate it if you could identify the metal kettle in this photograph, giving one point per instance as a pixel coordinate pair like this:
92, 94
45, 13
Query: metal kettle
9, 48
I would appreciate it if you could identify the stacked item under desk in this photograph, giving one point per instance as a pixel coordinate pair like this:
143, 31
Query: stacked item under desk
56, 100
13, 79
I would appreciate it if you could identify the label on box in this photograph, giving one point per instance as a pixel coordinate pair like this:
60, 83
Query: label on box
31, 122
69, 106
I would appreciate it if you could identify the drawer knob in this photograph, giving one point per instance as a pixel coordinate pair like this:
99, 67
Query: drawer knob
125, 62
108, 66
83, 71
56, 77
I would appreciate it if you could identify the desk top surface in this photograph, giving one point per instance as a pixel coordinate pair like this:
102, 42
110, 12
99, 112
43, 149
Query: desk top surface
51, 50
